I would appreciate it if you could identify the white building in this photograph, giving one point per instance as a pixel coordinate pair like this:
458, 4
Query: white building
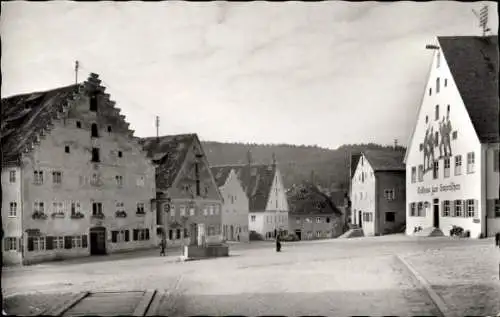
452, 158
235, 206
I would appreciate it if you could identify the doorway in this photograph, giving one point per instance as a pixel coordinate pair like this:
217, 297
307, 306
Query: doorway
98, 241
231, 233
299, 234
436, 213
360, 216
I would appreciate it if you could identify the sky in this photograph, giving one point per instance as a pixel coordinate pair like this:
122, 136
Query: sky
320, 73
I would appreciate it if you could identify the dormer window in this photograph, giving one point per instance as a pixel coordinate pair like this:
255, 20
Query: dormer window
94, 131
93, 103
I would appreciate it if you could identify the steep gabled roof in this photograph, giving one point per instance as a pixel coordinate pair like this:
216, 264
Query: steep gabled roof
473, 62
27, 117
384, 160
308, 199
257, 181
221, 173
169, 153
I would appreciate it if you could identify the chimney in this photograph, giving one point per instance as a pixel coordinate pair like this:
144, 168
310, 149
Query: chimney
395, 144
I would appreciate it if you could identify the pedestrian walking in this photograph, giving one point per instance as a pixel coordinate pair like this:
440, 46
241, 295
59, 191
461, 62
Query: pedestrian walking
278, 244
163, 246
497, 239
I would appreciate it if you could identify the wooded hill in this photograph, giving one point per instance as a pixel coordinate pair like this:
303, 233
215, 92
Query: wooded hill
296, 162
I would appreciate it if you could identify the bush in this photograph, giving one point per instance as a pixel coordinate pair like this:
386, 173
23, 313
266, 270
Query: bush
456, 231
290, 238
254, 236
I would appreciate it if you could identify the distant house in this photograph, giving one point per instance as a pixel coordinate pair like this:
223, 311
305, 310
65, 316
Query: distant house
74, 180
453, 158
235, 208
312, 214
187, 197
378, 192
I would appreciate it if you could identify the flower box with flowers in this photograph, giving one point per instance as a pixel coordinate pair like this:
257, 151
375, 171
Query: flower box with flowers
98, 216
121, 214
140, 213
57, 215
77, 215
39, 215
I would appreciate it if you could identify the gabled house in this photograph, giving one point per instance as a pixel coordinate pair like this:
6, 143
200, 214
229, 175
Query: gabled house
378, 192
188, 199
235, 207
74, 180
268, 206
452, 161
313, 215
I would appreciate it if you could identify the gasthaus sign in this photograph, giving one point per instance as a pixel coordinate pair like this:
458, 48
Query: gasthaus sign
440, 188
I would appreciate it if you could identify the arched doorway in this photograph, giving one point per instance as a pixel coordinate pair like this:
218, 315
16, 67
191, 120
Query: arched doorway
98, 241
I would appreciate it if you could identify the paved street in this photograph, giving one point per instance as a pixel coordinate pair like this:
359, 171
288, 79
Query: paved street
331, 277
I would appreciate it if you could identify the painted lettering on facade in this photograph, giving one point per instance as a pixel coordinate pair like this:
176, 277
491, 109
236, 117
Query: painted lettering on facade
435, 189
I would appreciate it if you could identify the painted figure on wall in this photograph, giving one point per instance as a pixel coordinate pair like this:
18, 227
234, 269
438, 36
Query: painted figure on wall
445, 144
426, 152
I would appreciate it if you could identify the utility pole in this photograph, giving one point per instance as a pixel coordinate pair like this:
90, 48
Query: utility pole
157, 123
77, 65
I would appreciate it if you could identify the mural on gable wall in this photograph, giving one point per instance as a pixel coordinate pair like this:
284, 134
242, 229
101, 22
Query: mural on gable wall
440, 139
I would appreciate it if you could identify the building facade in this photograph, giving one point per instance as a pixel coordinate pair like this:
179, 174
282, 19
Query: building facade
75, 182
452, 158
188, 201
235, 207
378, 192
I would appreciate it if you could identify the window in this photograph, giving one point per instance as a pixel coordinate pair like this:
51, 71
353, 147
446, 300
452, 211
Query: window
12, 176
413, 210
178, 233
57, 177
140, 208
39, 207
78, 124
36, 243
430, 91
182, 210
75, 208
446, 208
95, 155
191, 211
120, 154
205, 211
141, 234
497, 208
318, 219
96, 209
458, 208
58, 207
436, 112
426, 119
172, 211
420, 209
38, 177
252, 218
120, 207
58, 242
76, 241
447, 167
413, 174
390, 216
94, 132
93, 103
12, 209
446, 82
119, 180
496, 160
471, 208
170, 234
435, 169
470, 162
318, 234
438, 60
420, 173
186, 233
210, 210
66, 149
389, 194
95, 179
109, 129
437, 85
458, 165
140, 181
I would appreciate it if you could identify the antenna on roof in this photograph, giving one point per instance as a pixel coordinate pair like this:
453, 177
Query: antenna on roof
483, 18
76, 71
157, 123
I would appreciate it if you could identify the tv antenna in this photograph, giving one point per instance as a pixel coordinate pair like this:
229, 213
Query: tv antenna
483, 18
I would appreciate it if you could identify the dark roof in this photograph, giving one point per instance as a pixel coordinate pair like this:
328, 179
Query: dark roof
308, 199
385, 160
169, 152
473, 62
338, 197
25, 116
257, 181
354, 162
221, 173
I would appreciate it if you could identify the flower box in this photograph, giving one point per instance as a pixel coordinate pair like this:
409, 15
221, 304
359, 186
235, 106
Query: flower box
57, 215
121, 214
98, 216
39, 215
140, 213
77, 215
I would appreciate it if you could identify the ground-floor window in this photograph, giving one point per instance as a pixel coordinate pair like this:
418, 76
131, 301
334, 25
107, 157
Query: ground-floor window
497, 208
368, 217
420, 210
413, 209
178, 234
36, 243
446, 208
58, 242
120, 236
141, 234
76, 242
459, 208
318, 234
471, 208
10, 244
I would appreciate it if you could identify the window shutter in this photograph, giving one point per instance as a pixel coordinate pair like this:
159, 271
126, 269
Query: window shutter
67, 242
127, 235
114, 236
135, 234
84, 241
442, 208
465, 210
49, 243
476, 211
30, 244
20, 240
5, 244
147, 234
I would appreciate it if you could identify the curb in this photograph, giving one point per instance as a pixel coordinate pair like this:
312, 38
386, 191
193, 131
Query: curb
436, 299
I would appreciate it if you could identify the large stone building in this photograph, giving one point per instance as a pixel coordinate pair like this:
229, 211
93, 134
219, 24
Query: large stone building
378, 192
452, 158
235, 207
188, 199
74, 180
313, 215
